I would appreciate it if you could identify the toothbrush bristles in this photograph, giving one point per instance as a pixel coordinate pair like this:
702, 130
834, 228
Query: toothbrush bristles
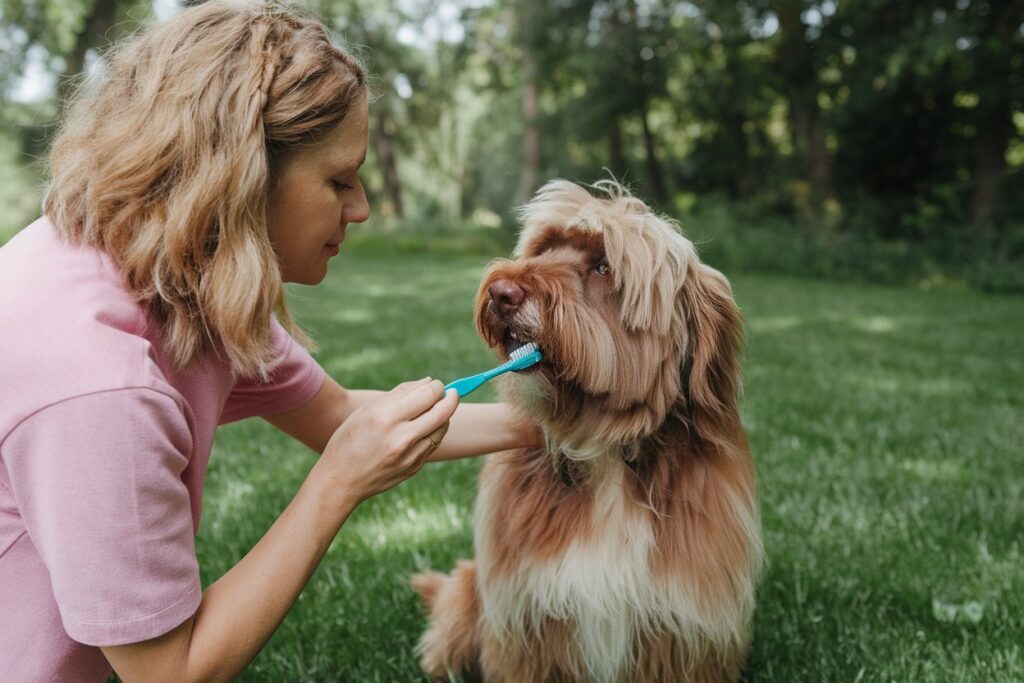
523, 351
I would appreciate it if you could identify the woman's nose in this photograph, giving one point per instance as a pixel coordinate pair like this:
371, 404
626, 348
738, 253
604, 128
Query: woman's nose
359, 210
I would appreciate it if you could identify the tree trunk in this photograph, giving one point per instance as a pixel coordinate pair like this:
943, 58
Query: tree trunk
990, 161
385, 148
995, 122
810, 141
744, 180
456, 166
804, 115
654, 177
529, 169
91, 35
616, 155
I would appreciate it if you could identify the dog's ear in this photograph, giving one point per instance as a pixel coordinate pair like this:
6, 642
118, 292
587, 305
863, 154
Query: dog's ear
711, 372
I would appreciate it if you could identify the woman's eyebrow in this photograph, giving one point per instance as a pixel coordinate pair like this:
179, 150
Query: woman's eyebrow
350, 166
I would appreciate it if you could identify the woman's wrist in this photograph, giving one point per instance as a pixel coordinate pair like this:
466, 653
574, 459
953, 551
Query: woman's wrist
336, 494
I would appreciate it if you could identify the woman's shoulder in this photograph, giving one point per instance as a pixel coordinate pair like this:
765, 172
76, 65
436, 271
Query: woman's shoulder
67, 325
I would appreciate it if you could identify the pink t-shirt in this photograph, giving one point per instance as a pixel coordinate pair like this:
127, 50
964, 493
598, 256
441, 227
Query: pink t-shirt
103, 454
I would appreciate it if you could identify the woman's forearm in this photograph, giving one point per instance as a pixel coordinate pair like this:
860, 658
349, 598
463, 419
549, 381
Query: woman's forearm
480, 428
476, 428
242, 609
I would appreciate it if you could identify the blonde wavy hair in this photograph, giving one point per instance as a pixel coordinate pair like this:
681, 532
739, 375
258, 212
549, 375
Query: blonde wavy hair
167, 164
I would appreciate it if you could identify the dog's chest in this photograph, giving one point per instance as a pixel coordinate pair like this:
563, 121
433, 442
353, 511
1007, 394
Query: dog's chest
600, 582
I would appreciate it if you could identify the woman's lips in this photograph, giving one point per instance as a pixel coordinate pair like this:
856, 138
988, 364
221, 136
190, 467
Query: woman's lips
333, 245
338, 240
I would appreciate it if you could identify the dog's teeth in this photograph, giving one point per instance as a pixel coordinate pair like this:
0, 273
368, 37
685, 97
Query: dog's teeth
523, 351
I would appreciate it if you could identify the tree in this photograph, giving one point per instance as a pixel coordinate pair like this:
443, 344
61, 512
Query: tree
730, 87
606, 67
529, 169
93, 33
997, 76
797, 64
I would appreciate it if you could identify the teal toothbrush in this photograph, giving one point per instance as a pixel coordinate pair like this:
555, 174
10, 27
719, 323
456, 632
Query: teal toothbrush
520, 359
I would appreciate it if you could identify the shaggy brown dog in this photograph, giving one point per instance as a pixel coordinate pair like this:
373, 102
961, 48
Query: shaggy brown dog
628, 548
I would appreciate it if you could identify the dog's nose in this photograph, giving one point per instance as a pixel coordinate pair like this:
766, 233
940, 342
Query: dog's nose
507, 296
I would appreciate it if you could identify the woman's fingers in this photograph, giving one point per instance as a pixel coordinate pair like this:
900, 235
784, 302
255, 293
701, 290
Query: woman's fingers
432, 423
418, 400
421, 449
390, 406
424, 446
405, 387
436, 416
384, 442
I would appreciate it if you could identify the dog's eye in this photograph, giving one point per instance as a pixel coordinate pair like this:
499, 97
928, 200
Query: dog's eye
602, 267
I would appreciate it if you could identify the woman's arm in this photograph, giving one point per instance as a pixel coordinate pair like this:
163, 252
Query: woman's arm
315, 421
476, 428
242, 609
380, 445
479, 428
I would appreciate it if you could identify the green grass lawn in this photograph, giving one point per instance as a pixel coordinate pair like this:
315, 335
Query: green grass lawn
887, 426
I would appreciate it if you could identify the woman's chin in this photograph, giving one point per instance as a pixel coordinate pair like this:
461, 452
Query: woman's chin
310, 276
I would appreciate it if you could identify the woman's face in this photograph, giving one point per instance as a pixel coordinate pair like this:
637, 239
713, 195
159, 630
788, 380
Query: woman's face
316, 195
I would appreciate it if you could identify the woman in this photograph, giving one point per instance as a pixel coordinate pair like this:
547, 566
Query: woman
218, 159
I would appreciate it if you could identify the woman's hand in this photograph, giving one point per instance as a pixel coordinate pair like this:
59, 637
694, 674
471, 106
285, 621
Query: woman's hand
385, 442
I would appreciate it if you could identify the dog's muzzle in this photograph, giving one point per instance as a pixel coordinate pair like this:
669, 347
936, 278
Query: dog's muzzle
508, 303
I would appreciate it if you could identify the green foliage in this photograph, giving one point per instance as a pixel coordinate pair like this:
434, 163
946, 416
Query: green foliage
917, 110
886, 428
997, 277
432, 237
745, 237
20, 189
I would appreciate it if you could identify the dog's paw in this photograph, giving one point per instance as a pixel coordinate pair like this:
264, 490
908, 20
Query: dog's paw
428, 585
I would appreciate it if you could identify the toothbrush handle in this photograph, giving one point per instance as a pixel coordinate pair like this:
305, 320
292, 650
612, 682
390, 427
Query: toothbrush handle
469, 384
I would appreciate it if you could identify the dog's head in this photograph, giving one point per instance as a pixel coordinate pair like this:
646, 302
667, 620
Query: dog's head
634, 329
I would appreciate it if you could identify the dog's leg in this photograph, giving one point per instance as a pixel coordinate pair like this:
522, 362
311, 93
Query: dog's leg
668, 657
451, 644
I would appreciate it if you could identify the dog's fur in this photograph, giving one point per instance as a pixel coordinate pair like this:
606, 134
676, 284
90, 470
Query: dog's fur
626, 549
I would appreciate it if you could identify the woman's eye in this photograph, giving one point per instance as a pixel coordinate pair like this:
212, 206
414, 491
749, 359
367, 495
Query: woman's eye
602, 267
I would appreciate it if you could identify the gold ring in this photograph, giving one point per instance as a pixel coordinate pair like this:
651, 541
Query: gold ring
433, 446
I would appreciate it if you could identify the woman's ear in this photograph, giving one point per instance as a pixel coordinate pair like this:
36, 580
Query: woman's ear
711, 374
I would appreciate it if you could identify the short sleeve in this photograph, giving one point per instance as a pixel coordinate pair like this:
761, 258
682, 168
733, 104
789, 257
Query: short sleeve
97, 481
293, 380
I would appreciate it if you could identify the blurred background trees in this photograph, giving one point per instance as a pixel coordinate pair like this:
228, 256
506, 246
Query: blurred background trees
828, 135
